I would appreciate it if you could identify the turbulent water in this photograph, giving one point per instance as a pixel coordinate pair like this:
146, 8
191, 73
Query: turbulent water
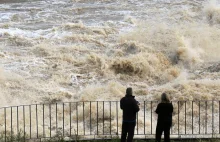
77, 50
87, 50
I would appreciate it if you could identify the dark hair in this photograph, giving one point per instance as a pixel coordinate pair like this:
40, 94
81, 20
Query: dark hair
164, 98
129, 91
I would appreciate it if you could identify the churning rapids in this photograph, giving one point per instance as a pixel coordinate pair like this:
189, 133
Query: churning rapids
78, 50
92, 50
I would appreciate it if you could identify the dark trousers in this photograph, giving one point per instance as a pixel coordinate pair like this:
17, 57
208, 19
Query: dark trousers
127, 129
163, 127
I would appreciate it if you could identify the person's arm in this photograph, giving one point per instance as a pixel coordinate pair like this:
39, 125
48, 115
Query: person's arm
136, 107
158, 109
121, 104
171, 108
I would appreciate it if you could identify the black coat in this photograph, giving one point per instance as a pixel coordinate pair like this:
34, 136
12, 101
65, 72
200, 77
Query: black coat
129, 106
164, 111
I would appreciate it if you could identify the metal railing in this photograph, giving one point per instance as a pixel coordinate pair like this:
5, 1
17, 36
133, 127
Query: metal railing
191, 119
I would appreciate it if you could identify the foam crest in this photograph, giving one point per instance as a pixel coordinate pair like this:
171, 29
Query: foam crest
109, 91
212, 11
71, 26
183, 40
187, 54
145, 65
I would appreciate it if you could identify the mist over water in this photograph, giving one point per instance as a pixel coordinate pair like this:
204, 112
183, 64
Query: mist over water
77, 50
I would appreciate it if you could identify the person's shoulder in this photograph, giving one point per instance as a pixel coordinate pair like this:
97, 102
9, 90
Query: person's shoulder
132, 99
159, 104
122, 98
170, 103
164, 104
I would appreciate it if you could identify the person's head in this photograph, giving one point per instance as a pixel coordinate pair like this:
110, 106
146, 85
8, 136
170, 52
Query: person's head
164, 98
129, 91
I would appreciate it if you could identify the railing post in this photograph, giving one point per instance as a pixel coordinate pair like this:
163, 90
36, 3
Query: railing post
178, 117
11, 122
144, 117
5, 123
90, 115
70, 118
77, 117
103, 132
199, 117
137, 122
56, 121
185, 117
212, 118
50, 118
206, 116
151, 116
17, 121
24, 121
63, 120
97, 118
110, 117
43, 123
192, 117
117, 115
37, 120
171, 129
30, 119
83, 119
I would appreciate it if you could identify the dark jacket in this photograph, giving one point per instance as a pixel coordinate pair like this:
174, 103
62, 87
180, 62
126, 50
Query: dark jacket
164, 111
129, 106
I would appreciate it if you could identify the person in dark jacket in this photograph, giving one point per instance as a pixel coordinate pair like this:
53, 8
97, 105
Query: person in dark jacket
129, 107
164, 120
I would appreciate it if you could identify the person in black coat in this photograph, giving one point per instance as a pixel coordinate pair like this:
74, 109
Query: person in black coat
164, 120
130, 107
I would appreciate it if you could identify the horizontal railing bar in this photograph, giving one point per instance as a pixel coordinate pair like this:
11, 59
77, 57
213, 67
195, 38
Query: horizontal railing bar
138, 135
171, 136
112, 137
104, 101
